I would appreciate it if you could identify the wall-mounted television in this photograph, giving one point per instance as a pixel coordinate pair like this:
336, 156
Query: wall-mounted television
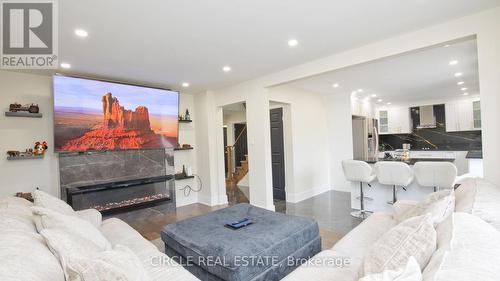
95, 115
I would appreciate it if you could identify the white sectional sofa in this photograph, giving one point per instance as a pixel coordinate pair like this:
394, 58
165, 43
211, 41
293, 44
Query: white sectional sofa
24, 256
471, 248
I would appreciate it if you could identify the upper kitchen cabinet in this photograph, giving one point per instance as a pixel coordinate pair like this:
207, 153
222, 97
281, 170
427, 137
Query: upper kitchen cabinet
394, 120
463, 115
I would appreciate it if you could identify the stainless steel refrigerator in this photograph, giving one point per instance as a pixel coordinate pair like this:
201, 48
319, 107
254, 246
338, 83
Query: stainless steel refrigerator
364, 137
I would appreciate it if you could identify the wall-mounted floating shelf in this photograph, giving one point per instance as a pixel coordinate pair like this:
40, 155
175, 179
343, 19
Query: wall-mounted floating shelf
182, 148
182, 177
23, 114
24, 157
185, 121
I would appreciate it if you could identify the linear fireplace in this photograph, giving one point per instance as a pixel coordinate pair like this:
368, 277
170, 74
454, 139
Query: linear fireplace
117, 181
121, 196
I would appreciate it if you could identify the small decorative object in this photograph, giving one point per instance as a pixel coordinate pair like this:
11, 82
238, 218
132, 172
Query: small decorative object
31, 108
25, 195
184, 173
40, 148
13, 153
186, 146
187, 116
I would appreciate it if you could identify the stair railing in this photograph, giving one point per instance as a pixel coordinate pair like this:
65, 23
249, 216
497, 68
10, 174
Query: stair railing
231, 167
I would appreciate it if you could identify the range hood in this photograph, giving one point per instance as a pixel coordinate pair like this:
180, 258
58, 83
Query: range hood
427, 118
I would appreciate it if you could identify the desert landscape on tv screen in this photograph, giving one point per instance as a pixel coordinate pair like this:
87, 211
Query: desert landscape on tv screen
96, 115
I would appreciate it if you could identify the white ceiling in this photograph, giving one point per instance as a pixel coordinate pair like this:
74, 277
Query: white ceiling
167, 42
418, 76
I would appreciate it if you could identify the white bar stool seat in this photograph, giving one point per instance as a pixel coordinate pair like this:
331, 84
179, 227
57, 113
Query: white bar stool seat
394, 173
439, 175
362, 172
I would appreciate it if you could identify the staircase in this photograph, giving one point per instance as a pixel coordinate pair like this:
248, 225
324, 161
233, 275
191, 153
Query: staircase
240, 171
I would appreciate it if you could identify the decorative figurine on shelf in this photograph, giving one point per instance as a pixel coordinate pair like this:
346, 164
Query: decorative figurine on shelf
187, 116
31, 108
184, 171
13, 153
40, 148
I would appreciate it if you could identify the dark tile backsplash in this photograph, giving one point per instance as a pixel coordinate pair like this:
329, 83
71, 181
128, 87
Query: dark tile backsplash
434, 139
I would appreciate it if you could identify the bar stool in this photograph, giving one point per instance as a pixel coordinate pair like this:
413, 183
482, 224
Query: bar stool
395, 174
436, 174
362, 172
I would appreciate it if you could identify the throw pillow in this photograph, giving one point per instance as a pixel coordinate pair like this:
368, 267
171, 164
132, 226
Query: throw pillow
48, 219
119, 264
474, 252
45, 200
411, 272
439, 204
465, 195
415, 237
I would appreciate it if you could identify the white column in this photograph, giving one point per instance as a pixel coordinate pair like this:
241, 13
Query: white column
488, 41
259, 150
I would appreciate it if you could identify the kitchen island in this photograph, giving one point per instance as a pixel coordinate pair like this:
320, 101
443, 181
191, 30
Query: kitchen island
410, 161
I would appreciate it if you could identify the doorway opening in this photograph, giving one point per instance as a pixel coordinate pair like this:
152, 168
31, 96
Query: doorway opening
236, 153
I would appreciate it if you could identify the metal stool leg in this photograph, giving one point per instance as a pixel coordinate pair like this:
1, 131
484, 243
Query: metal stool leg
394, 196
361, 214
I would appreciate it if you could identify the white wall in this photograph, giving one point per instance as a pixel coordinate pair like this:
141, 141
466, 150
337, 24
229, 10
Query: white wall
484, 25
20, 133
308, 140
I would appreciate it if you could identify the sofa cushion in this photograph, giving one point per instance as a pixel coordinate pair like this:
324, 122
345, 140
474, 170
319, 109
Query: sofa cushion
414, 237
357, 243
118, 264
45, 200
328, 265
474, 253
486, 202
49, 219
158, 265
439, 204
91, 215
25, 256
17, 217
411, 272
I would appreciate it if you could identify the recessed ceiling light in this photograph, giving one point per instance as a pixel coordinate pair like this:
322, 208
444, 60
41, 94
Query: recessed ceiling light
360, 90
461, 83
447, 45
389, 103
464, 89
81, 33
373, 96
466, 94
458, 74
185, 84
226, 68
453, 62
335, 85
293, 42
65, 65
380, 100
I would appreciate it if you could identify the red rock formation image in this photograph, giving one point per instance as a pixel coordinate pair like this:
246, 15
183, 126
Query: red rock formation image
121, 129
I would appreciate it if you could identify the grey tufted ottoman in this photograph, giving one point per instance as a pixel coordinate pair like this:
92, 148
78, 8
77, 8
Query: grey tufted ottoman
269, 249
